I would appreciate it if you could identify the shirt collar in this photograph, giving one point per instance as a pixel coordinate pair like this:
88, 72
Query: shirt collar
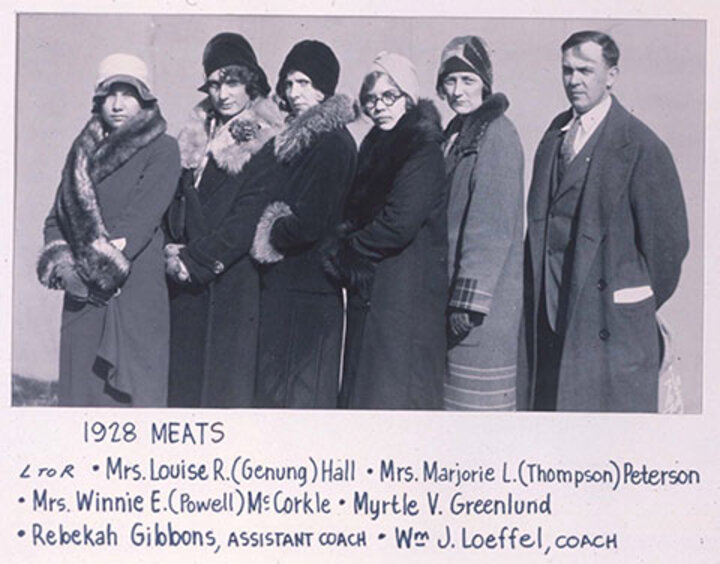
590, 119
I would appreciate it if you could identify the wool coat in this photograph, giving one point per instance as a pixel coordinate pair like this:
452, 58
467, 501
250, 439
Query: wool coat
394, 260
484, 163
301, 315
114, 354
220, 198
630, 238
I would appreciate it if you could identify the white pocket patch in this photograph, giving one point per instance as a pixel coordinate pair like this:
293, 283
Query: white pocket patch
632, 295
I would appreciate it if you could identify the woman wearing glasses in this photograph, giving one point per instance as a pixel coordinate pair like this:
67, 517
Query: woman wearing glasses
484, 160
392, 254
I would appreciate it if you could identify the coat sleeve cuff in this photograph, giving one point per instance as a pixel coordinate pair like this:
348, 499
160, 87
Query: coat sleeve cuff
467, 296
262, 249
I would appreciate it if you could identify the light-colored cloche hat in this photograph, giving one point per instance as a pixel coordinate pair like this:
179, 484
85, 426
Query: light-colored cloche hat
128, 69
401, 70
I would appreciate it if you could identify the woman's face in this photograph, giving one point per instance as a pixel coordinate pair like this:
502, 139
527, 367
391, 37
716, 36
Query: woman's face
463, 91
300, 93
119, 105
385, 104
228, 95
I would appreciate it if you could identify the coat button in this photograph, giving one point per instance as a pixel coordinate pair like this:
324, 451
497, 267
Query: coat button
604, 334
601, 284
218, 267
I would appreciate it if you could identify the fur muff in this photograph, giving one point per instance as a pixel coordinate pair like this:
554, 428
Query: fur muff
234, 142
301, 132
345, 265
92, 157
262, 249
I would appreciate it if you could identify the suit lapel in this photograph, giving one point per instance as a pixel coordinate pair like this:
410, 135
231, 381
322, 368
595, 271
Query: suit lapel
607, 178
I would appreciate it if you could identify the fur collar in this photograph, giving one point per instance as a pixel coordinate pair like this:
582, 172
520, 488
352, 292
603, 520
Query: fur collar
383, 153
92, 157
470, 128
234, 142
301, 132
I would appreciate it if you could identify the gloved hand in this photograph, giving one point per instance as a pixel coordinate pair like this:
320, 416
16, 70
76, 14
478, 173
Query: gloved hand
65, 277
461, 322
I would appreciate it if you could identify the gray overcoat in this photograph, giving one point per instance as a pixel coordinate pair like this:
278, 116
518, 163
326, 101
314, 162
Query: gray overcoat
631, 233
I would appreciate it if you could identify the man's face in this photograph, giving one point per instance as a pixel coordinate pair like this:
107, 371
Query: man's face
586, 76
300, 92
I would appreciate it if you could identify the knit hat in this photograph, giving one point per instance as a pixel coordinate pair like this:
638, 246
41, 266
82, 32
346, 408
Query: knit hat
465, 54
227, 49
317, 61
124, 68
401, 70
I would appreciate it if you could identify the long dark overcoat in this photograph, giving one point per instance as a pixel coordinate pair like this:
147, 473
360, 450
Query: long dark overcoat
117, 354
214, 318
631, 232
395, 351
484, 162
301, 315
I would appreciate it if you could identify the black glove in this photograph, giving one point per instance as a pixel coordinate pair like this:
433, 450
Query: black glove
65, 277
461, 322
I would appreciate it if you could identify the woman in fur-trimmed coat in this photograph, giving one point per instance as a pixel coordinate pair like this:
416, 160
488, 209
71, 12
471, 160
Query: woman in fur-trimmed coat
214, 285
104, 246
301, 316
393, 257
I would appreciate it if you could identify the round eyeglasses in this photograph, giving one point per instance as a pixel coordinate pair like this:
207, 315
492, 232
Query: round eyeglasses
388, 99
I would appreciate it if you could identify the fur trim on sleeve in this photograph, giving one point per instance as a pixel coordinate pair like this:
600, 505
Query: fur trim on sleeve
262, 249
107, 266
55, 253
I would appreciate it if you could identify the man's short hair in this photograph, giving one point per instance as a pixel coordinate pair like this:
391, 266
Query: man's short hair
610, 51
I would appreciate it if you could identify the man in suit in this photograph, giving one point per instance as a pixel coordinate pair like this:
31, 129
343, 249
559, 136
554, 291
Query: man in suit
607, 233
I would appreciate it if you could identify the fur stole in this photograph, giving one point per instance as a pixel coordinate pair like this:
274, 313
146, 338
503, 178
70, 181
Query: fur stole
93, 157
234, 142
470, 128
382, 155
301, 132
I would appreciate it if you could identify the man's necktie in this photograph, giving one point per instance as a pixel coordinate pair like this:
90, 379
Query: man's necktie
567, 149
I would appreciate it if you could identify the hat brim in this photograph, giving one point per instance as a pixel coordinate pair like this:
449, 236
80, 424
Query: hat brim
103, 89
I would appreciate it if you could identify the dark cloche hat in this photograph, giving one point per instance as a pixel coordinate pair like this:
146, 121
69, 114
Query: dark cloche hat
317, 61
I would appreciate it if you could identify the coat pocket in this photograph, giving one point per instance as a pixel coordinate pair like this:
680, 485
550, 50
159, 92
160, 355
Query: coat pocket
633, 338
